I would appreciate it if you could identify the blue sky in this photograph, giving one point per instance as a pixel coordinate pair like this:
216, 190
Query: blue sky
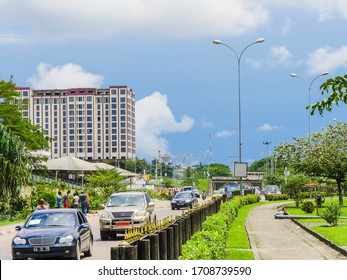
186, 87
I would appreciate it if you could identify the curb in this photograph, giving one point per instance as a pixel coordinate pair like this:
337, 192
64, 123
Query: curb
331, 244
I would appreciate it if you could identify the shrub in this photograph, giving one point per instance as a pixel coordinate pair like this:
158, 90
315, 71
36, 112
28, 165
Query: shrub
331, 213
307, 206
210, 243
273, 197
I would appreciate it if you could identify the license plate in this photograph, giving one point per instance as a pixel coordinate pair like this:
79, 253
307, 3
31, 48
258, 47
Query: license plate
41, 249
122, 223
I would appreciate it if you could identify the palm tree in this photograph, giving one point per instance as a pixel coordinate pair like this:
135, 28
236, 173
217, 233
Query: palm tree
15, 167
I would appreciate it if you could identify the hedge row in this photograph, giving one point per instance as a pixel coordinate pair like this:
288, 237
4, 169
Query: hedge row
210, 242
273, 197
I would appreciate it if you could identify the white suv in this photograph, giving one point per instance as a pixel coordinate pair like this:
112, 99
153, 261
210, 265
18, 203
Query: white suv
125, 210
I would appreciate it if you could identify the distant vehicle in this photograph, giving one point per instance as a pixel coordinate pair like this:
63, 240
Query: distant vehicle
196, 193
272, 189
184, 199
125, 210
187, 188
53, 233
218, 193
230, 188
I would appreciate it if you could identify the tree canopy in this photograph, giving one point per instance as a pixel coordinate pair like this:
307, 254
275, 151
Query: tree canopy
324, 154
337, 87
11, 117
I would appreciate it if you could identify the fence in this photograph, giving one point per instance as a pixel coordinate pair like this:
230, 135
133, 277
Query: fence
163, 240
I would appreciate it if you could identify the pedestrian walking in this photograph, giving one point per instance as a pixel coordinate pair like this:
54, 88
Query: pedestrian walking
83, 199
76, 199
66, 199
59, 200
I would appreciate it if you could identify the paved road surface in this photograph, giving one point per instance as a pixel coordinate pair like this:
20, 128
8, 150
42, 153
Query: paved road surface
282, 239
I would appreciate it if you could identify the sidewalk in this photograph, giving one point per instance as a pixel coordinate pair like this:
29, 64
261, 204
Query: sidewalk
282, 239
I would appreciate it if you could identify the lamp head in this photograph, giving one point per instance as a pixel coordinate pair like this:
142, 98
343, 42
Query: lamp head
293, 75
325, 73
260, 40
217, 42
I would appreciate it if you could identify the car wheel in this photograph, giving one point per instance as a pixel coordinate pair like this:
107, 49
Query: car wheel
172, 208
190, 206
78, 251
105, 235
89, 253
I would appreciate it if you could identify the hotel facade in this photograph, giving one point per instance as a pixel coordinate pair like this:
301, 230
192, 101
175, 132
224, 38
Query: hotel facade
87, 123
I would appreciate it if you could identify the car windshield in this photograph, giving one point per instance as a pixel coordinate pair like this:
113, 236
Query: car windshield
183, 195
58, 219
125, 200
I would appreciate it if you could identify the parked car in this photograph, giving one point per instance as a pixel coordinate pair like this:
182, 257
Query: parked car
53, 233
126, 210
184, 199
196, 193
272, 189
218, 193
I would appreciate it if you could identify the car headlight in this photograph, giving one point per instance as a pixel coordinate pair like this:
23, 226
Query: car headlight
66, 239
17, 240
105, 215
140, 213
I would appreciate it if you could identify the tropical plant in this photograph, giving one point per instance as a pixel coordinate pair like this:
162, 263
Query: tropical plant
15, 168
331, 213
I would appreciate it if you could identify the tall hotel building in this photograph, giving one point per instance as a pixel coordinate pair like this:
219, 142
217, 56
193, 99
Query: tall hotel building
87, 123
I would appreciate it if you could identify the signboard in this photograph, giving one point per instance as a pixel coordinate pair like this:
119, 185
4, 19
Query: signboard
240, 169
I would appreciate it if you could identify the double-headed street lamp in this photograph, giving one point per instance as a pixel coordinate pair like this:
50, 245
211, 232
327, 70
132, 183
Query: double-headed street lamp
218, 42
309, 85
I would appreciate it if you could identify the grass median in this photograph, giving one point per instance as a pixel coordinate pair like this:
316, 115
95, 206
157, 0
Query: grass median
237, 246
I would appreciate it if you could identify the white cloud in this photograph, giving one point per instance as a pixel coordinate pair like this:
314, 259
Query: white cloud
326, 59
206, 124
281, 55
154, 118
225, 133
9, 38
267, 127
66, 76
171, 18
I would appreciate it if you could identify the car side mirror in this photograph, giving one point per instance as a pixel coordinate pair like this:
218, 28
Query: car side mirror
151, 204
18, 228
102, 206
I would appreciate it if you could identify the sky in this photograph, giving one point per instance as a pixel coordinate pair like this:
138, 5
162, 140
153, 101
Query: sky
186, 87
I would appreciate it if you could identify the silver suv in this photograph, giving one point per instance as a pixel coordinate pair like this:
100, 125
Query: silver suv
125, 210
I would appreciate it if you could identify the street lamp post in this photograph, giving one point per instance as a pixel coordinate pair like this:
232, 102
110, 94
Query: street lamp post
267, 143
309, 85
238, 57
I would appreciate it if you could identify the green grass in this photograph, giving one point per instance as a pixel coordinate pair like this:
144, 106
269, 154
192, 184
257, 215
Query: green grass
337, 234
237, 246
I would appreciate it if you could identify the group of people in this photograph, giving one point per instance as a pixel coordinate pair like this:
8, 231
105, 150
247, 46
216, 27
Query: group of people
64, 201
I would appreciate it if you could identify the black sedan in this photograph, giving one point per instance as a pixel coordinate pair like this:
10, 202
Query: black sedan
53, 233
184, 199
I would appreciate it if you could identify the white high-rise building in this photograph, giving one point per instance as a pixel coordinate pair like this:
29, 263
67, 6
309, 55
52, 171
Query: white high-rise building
87, 123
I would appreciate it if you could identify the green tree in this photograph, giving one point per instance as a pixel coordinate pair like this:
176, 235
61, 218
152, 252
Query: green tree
106, 181
11, 117
337, 88
295, 186
218, 169
325, 154
15, 168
